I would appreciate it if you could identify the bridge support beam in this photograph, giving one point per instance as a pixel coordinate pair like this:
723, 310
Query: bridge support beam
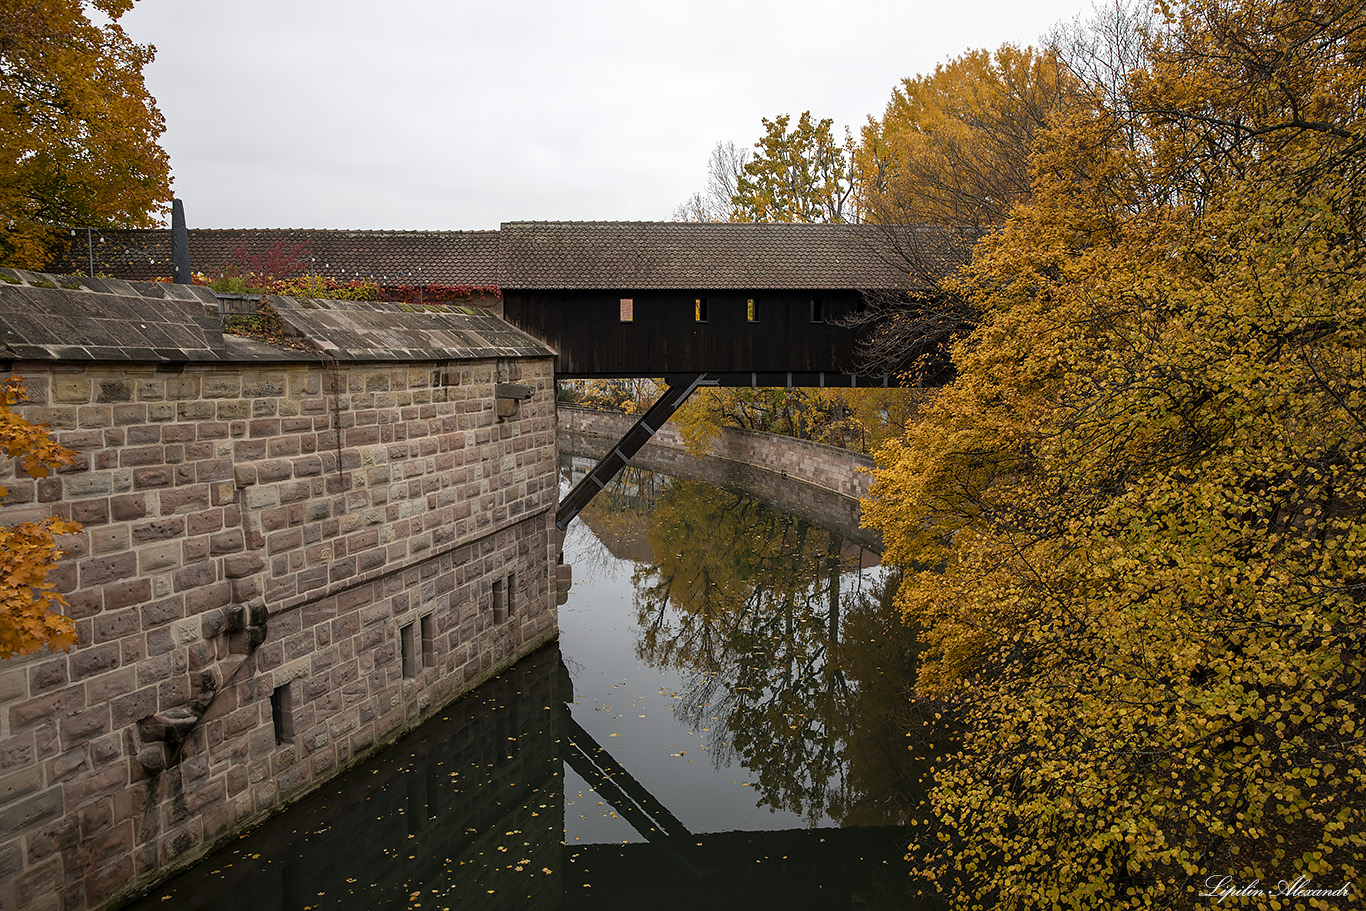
615, 460
618, 787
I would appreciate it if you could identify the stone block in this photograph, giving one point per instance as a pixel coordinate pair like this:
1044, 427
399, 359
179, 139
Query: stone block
111, 626
195, 576
16, 785
184, 500
90, 512
47, 675
109, 540
106, 687
205, 522
72, 390
128, 507
127, 594
128, 709
238, 566
84, 726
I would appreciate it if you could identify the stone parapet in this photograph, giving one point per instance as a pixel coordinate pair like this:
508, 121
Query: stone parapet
822, 484
840, 471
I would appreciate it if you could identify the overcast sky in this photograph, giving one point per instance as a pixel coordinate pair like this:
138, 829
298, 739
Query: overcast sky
452, 114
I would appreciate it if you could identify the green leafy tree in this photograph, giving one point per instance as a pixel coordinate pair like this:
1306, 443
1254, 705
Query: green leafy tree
800, 174
78, 130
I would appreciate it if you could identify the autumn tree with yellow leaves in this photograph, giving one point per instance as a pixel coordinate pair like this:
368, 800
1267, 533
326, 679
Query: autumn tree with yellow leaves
28, 550
1134, 527
946, 163
78, 130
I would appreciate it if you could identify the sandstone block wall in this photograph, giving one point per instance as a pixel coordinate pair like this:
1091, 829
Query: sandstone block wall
281, 567
473, 803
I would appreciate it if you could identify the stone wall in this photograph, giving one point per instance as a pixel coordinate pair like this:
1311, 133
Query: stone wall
819, 483
473, 802
841, 471
282, 567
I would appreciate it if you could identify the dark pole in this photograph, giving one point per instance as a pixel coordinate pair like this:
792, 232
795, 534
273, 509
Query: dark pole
180, 245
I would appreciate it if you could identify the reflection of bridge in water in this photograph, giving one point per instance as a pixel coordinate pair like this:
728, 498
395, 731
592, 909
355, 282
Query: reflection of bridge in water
468, 812
786, 867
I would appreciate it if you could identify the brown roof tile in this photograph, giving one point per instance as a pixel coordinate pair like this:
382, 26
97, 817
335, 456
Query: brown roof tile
661, 255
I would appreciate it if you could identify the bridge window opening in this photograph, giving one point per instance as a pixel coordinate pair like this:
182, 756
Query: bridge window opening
408, 651
699, 310
627, 309
282, 714
752, 310
499, 604
429, 641
817, 310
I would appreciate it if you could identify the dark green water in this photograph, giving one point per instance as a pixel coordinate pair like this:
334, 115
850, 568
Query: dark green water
718, 725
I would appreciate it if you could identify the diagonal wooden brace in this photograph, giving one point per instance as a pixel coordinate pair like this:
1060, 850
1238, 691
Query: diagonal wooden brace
627, 446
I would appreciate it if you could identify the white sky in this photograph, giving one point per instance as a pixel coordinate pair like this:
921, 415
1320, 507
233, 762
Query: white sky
424, 114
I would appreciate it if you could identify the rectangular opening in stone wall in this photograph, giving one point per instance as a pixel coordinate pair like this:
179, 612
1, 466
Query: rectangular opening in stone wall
408, 650
429, 641
499, 605
282, 713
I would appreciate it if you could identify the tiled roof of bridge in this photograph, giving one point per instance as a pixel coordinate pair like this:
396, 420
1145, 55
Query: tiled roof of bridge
446, 257
662, 255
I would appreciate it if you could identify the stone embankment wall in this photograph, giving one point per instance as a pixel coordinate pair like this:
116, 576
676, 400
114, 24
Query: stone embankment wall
817, 482
287, 559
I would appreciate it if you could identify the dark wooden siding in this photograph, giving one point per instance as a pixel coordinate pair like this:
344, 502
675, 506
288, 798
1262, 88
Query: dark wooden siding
664, 338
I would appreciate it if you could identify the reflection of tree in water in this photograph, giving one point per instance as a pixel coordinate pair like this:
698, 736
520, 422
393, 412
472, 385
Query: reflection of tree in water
746, 601
619, 514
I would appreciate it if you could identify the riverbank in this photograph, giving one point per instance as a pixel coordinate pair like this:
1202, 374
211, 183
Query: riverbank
821, 483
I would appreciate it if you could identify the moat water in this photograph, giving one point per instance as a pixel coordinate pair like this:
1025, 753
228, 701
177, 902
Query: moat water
720, 724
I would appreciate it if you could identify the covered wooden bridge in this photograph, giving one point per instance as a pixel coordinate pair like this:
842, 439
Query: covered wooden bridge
697, 304
744, 304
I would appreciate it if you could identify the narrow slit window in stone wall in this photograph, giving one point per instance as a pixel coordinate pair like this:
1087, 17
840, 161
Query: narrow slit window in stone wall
408, 651
499, 605
512, 588
429, 641
282, 714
